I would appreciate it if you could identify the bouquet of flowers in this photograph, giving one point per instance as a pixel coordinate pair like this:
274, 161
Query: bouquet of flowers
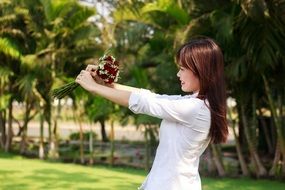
107, 70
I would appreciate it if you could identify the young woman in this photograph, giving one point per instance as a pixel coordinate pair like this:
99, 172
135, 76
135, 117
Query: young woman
189, 123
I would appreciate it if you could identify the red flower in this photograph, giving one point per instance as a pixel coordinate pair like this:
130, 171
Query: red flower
108, 58
108, 69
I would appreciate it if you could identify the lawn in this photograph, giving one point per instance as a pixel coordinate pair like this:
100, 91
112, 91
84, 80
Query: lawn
20, 173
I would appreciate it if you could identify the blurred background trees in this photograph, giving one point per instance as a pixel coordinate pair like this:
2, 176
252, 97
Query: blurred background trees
45, 43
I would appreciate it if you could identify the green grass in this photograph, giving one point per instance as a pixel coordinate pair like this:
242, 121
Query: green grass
241, 184
20, 173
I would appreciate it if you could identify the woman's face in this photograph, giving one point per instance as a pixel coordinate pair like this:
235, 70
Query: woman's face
189, 81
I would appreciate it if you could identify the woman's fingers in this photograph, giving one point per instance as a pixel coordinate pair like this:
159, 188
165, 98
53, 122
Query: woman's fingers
93, 74
91, 68
98, 79
81, 75
84, 73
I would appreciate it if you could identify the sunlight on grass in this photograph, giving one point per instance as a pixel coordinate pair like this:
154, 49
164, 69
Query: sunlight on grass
17, 173
20, 173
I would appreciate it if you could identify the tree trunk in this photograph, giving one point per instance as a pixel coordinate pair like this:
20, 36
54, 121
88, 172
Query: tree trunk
103, 131
91, 149
241, 159
81, 139
52, 121
112, 139
218, 160
147, 148
3, 128
276, 118
53, 152
210, 163
10, 120
54, 140
260, 170
266, 133
275, 170
23, 144
41, 141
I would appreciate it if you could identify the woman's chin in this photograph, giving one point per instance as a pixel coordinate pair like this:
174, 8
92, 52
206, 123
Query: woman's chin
183, 89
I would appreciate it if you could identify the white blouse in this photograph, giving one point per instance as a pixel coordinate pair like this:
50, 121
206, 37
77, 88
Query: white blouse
183, 137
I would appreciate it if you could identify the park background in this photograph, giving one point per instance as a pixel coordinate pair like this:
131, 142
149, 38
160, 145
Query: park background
86, 142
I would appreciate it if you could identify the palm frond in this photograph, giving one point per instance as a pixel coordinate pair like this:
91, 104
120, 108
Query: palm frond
27, 85
31, 63
261, 41
256, 10
7, 19
80, 33
85, 51
140, 77
169, 7
195, 26
128, 14
13, 32
99, 108
9, 48
5, 73
198, 8
223, 24
48, 9
33, 25
78, 17
237, 70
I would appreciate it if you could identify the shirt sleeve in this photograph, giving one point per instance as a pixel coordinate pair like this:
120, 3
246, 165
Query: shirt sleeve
183, 110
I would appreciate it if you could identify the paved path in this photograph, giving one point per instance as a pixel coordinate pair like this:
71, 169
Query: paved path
66, 128
129, 132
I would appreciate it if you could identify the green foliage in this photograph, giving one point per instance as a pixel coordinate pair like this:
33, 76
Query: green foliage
99, 109
27, 85
86, 136
5, 73
4, 101
9, 48
169, 7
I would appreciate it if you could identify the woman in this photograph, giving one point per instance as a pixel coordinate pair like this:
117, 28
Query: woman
189, 122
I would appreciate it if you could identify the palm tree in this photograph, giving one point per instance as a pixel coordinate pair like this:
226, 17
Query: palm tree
262, 44
62, 30
11, 45
35, 39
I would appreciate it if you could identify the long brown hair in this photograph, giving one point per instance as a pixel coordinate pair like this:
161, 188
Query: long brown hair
205, 59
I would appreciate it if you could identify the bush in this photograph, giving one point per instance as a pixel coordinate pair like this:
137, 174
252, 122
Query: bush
76, 136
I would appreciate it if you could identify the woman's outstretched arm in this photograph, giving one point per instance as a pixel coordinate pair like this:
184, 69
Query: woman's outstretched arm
120, 94
124, 87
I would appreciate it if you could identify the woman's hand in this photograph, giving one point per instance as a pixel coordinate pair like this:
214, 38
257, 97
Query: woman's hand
92, 69
85, 80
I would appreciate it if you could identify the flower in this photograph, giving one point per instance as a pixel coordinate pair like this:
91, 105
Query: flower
107, 70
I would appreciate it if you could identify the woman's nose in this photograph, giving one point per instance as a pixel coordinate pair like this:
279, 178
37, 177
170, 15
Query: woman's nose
178, 74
